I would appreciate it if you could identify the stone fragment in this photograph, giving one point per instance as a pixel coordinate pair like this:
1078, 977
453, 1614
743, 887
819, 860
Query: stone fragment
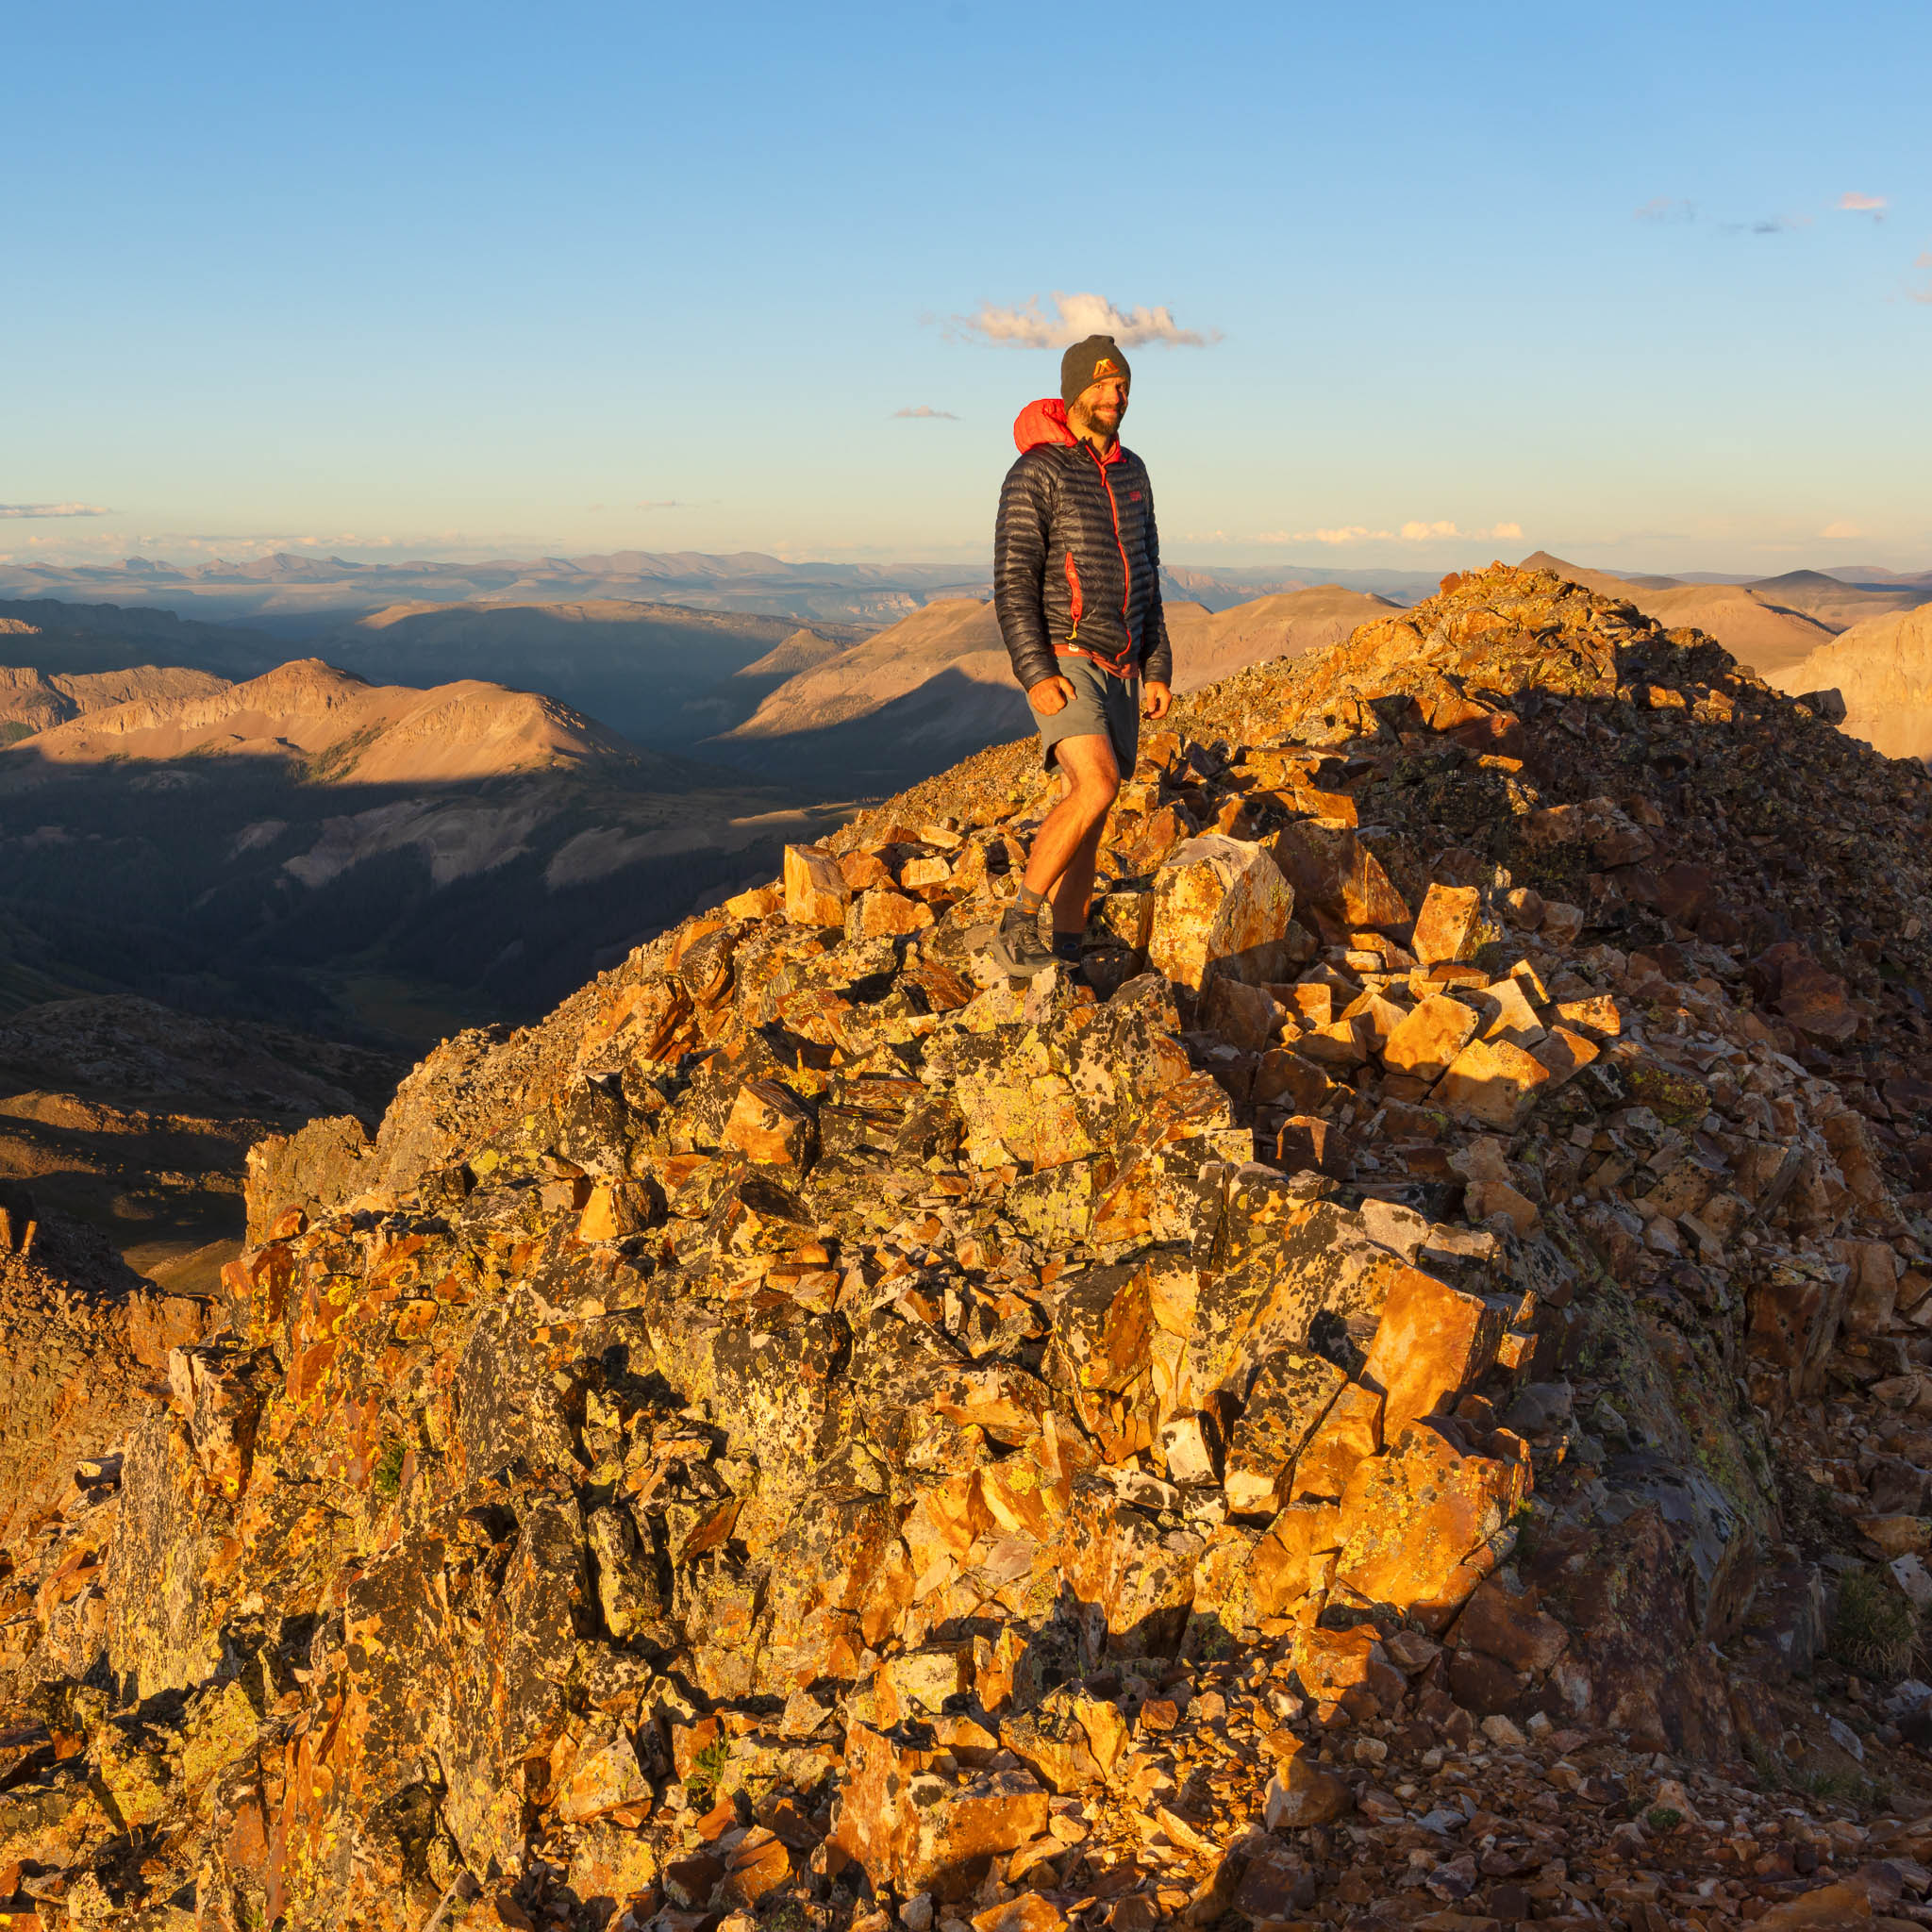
1339, 1046
1508, 1015
862, 871
815, 890
1496, 1085
221, 1408
1331, 870
1303, 1793
1509, 1627
1351, 1431
1562, 1054
1244, 1016
917, 1827
1433, 1341
882, 913
1290, 1393
604, 1777
1427, 1041
1307, 1143
767, 1125
1426, 1524
1285, 1077
1873, 1285
1285, 1565
1220, 904
1028, 1912
1598, 1015
1448, 925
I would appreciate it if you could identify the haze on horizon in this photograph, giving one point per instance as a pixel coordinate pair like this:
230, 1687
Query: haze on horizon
1651, 290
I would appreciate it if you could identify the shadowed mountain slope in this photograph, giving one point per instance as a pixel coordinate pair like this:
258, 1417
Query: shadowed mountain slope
66, 640
651, 671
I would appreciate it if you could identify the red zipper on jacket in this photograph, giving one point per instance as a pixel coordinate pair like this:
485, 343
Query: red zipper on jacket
1127, 568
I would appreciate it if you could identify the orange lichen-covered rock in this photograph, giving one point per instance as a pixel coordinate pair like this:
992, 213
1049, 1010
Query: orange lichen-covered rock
918, 1827
1446, 926
1433, 1340
816, 893
1220, 905
1425, 1522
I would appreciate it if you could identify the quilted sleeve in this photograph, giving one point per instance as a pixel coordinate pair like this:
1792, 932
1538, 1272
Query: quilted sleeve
1019, 570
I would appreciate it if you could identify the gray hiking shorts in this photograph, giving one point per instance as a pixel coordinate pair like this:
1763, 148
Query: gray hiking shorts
1102, 706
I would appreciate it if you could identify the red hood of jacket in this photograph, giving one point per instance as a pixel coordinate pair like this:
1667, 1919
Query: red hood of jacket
1046, 421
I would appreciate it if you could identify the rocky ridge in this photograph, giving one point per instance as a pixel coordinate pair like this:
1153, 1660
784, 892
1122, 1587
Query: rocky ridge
1882, 669
1405, 1409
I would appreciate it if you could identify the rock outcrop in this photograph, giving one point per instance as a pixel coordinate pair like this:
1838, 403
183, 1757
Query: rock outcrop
32, 700
1882, 669
1367, 1410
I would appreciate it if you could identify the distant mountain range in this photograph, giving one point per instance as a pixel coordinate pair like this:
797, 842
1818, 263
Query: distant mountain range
937, 685
295, 596
298, 597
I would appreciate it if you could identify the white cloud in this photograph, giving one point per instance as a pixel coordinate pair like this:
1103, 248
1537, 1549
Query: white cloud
1841, 531
1414, 532
1667, 208
1074, 317
1873, 205
925, 413
52, 509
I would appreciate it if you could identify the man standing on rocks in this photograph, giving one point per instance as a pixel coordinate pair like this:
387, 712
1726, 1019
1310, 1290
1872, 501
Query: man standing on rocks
1076, 584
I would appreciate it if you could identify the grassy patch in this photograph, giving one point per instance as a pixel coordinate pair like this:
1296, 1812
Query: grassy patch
1874, 1631
388, 1478
708, 1773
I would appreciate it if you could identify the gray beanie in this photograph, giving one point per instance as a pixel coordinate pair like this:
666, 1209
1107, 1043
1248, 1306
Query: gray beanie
1088, 362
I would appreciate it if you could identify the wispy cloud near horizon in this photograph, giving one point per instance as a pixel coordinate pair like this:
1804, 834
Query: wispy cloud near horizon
54, 509
1074, 317
924, 413
1872, 205
1416, 531
1666, 207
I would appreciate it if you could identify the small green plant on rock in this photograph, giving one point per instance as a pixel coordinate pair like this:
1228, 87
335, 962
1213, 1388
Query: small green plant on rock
1874, 1631
708, 1773
387, 1476
1663, 1818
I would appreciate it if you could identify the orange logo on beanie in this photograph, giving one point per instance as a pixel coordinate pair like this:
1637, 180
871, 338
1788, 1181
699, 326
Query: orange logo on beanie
1105, 366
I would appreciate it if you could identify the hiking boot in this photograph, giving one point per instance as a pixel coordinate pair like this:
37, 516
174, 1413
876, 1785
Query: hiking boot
1017, 948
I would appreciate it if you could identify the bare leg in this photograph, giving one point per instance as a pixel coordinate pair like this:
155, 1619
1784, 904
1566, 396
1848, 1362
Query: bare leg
1067, 847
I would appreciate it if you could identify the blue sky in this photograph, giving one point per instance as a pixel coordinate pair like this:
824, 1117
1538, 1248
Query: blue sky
438, 279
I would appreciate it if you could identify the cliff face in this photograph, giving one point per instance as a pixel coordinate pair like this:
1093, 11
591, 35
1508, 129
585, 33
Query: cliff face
1882, 668
1382, 1407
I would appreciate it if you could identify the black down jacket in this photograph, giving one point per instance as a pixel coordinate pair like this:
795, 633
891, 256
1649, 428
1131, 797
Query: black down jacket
1075, 558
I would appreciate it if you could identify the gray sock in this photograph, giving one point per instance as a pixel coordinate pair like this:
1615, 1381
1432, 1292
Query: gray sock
1030, 902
